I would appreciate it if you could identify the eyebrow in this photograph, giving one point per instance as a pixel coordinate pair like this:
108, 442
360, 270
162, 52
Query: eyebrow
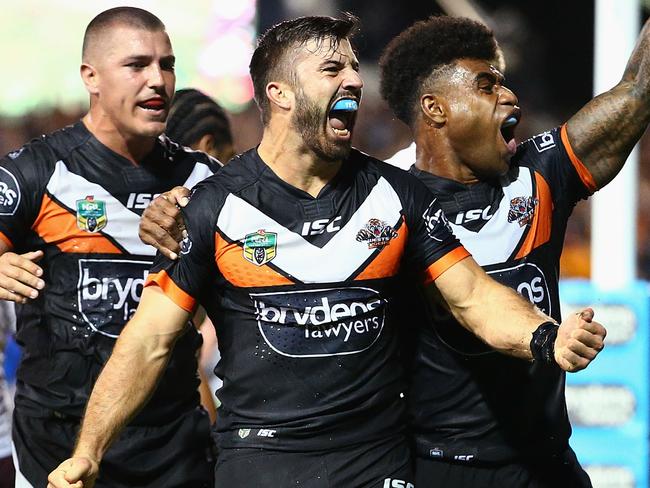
490, 76
148, 58
354, 63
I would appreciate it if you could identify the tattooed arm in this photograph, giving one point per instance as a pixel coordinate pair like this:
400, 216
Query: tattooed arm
605, 130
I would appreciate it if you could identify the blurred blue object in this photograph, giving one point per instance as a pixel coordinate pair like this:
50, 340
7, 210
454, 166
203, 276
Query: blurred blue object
12, 357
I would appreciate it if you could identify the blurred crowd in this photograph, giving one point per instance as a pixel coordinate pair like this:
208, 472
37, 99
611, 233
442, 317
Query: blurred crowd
549, 70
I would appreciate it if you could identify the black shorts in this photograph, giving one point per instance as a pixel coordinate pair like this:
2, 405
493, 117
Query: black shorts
174, 455
544, 472
384, 464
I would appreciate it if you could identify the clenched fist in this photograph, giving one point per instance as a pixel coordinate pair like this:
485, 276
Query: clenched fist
579, 340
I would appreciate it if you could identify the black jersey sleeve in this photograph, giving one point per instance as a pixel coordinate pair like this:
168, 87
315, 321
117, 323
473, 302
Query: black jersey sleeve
23, 182
432, 246
185, 278
550, 154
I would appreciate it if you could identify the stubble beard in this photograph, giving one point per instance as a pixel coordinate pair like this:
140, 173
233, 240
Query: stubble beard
308, 120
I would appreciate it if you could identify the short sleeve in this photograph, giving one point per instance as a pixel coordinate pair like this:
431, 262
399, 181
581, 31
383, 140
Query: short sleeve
432, 247
23, 182
184, 279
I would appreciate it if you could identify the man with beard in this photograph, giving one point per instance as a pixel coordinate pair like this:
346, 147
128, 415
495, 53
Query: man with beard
70, 204
294, 248
479, 418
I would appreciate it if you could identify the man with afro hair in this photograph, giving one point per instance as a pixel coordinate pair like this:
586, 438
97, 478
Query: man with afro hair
479, 418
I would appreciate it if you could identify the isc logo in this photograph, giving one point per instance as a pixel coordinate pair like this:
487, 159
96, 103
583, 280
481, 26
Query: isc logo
140, 200
321, 226
475, 214
392, 483
266, 433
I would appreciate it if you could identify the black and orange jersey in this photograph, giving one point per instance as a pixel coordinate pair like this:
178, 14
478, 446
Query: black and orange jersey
72, 197
467, 402
301, 289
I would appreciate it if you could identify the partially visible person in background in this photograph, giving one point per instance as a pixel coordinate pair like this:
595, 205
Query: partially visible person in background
199, 122
7, 327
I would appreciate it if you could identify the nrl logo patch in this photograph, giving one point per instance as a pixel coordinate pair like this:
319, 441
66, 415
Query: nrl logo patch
377, 233
91, 214
260, 247
243, 433
522, 210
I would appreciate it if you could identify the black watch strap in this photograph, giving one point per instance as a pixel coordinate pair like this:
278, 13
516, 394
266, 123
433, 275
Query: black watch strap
542, 345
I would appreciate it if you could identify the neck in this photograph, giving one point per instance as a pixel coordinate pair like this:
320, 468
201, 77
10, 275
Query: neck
132, 148
284, 151
436, 155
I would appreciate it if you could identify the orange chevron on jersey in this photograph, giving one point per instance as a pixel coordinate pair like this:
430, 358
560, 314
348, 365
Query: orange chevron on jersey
58, 226
241, 272
539, 231
387, 262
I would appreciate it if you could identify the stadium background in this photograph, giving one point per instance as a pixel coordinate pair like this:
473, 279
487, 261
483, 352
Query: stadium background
548, 48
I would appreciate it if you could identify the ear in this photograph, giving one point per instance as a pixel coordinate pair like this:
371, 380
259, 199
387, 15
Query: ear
280, 94
433, 109
90, 78
205, 144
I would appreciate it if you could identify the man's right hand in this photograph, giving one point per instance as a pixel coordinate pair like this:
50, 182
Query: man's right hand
162, 224
20, 276
76, 472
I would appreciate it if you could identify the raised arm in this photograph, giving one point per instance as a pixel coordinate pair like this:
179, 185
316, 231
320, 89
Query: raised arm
506, 321
606, 129
125, 384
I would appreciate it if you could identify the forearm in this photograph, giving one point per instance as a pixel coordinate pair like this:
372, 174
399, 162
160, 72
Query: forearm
500, 317
124, 386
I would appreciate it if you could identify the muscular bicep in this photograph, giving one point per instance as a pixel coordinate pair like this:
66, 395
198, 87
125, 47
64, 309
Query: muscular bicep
458, 287
158, 320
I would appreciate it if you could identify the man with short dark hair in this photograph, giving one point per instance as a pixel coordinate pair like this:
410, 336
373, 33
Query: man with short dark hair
478, 418
296, 250
70, 207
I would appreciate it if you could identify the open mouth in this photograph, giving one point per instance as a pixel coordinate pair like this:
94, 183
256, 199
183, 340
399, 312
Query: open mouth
508, 131
342, 116
153, 104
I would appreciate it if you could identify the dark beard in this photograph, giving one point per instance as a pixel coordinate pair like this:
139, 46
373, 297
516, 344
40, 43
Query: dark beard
308, 121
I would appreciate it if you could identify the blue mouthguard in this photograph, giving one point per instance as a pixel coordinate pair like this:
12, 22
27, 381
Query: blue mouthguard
346, 104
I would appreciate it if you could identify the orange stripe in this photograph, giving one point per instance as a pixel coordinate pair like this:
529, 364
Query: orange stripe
540, 228
583, 172
57, 225
6, 240
444, 263
240, 272
172, 290
386, 263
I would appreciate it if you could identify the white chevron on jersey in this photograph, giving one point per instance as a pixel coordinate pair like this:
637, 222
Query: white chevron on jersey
122, 224
498, 239
297, 256
199, 173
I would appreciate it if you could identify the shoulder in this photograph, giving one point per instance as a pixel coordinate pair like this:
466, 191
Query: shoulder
539, 148
243, 170
48, 148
